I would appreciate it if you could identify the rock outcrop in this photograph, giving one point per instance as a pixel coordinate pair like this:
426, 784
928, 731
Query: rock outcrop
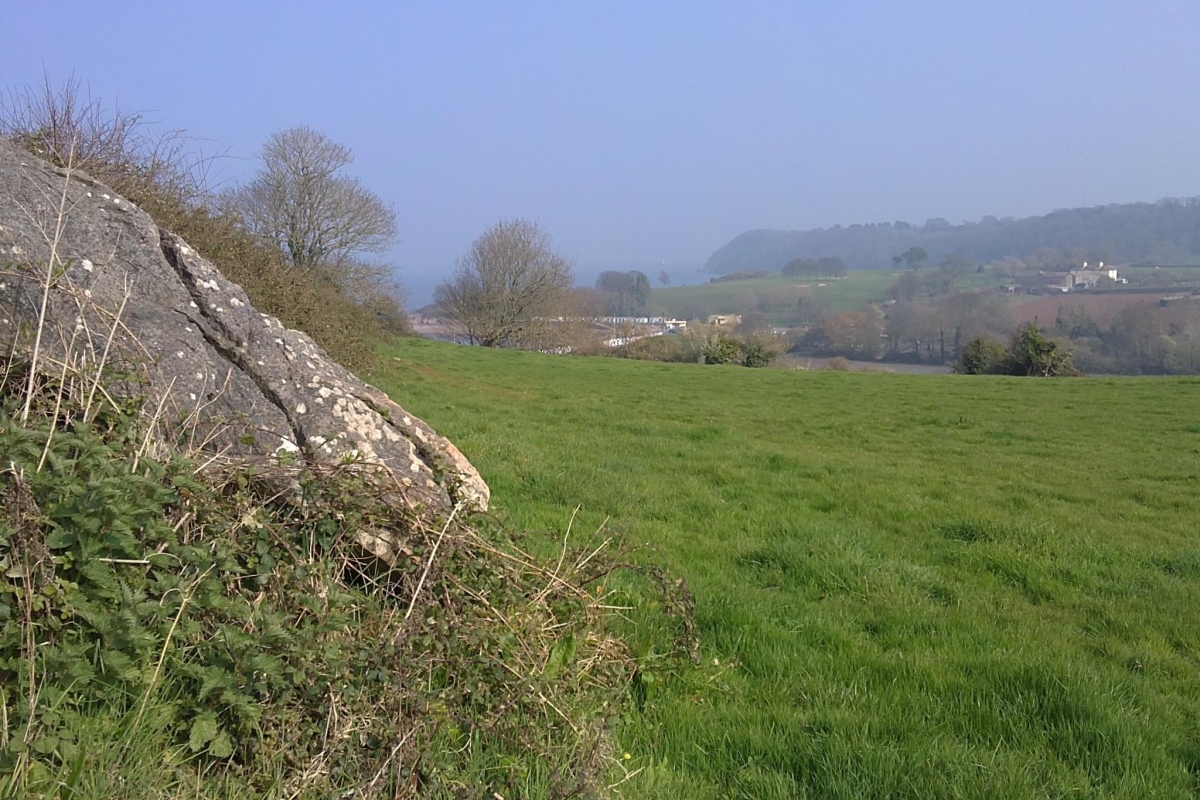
215, 366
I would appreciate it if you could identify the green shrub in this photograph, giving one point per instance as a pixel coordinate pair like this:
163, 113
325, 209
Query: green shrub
760, 349
682, 348
1030, 353
1033, 354
980, 356
722, 349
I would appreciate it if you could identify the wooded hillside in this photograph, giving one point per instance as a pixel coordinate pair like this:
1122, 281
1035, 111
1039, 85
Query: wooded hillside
1166, 232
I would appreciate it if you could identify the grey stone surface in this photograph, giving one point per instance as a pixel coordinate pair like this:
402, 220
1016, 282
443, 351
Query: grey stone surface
221, 370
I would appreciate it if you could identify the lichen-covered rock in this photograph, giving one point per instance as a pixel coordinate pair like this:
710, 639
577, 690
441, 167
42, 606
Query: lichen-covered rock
234, 378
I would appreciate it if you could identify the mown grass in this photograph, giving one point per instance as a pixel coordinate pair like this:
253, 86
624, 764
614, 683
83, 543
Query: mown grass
906, 586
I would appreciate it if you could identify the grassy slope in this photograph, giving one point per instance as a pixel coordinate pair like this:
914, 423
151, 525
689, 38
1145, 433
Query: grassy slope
861, 287
907, 586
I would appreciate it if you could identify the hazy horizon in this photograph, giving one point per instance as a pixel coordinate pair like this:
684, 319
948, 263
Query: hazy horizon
651, 135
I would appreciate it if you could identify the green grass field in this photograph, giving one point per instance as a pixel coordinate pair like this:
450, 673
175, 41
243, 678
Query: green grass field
906, 586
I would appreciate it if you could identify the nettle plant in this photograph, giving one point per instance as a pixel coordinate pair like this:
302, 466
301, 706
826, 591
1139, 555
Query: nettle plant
109, 587
232, 611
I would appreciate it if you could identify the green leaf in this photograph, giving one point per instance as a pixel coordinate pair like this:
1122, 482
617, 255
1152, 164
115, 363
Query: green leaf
560, 656
204, 730
59, 538
222, 746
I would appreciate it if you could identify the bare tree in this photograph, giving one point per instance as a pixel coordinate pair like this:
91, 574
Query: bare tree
299, 203
510, 289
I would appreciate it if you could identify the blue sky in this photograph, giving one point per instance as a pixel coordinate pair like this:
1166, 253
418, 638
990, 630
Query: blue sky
651, 133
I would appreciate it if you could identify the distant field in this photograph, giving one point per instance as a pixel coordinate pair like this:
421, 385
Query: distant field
1171, 279
868, 286
906, 586
846, 294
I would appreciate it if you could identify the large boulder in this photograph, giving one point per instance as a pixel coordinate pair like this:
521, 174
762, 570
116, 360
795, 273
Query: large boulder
226, 375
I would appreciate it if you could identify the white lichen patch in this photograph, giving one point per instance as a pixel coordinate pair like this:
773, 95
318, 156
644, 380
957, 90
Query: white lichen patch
287, 446
233, 301
210, 284
87, 265
361, 423
179, 354
301, 409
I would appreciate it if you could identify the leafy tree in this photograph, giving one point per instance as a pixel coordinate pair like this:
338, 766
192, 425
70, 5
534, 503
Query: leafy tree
628, 292
300, 203
831, 267
1030, 353
1033, 354
508, 288
664, 278
798, 267
915, 257
981, 356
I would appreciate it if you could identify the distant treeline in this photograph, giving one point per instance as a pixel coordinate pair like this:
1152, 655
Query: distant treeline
1166, 232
